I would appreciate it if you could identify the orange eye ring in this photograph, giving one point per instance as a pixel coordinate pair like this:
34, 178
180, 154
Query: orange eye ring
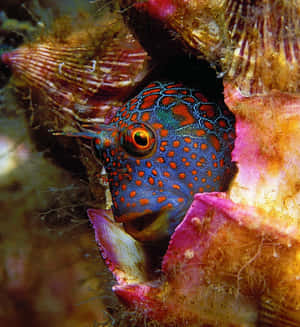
138, 140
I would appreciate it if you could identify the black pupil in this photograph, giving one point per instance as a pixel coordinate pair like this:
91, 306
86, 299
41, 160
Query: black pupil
140, 139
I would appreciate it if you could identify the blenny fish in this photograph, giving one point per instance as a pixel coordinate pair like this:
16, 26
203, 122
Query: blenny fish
163, 146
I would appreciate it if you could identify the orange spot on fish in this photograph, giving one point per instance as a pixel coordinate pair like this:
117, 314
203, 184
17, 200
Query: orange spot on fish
171, 92
174, 85
173, 165
161, 199
201, 97
209, 125
189, 99
145, 116
164, 133
133, 117
167, 100
151, 85
132, 194
215, 142
157, 125
149, 101
200, 132
160, 160
151, 91
209, 110
183, 111
222, 123
144, 202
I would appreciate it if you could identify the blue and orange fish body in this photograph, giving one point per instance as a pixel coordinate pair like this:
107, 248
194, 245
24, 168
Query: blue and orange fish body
166, 144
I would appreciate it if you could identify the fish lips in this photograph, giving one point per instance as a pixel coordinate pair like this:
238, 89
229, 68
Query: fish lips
152, 225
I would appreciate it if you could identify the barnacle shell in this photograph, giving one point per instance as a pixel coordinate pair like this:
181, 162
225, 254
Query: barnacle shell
233, 269
85, 74
271, 137
256, 43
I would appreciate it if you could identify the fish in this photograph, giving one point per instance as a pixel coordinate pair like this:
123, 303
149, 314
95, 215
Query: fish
164, 145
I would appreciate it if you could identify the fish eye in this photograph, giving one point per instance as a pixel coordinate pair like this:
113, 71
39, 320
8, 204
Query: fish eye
138, 140
141, 138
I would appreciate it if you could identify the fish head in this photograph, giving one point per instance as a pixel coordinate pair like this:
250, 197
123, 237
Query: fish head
163, 146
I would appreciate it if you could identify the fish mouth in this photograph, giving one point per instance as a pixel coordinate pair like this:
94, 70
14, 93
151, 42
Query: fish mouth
149, 227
